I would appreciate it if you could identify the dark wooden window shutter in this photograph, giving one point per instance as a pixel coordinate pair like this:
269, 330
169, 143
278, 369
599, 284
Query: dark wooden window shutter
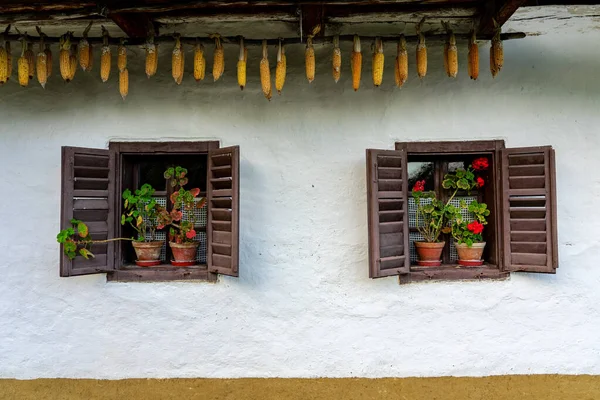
88, 194
529, 207
223, 210
387, 203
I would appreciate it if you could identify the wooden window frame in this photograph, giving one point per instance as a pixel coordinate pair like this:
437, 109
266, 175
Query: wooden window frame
447, 148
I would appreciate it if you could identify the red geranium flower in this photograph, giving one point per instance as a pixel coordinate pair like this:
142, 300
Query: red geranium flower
476, 227
480, 164
190, 234
480, 181
195, 191
419, 186
176, 215
174, 196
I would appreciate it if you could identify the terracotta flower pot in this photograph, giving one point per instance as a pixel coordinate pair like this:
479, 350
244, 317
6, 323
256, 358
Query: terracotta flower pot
148, 253
470, 256
429, 253
184, 253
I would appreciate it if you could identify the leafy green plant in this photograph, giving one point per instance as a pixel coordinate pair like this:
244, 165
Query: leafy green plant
76, 240
469, 232
141, 212
432, 213
181, 230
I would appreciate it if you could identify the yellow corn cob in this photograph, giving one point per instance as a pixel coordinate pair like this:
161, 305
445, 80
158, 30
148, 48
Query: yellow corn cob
401, 62
9, 65
473, 57
421, 57
121, 56
73, 61
337, 59
65, 57
281, 69
23, 66
84, 54
182, 65
176, 59
3, 65
356, 63
124, 83
105, 57
451, 52
199, 62
378, 60
41, 61
497, 51
309, 60
265, 73
241, 65
493, 67
48, 53
31, 60
151, 57
218, 59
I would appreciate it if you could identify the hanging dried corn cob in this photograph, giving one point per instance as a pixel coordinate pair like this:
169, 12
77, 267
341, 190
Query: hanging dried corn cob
265, 72
496, 52
182, 66
176, 64
199, 62
124, 83
421, 52
401, 62
30, 60
337, 59
281, 69
48, 53
3, 65
105, 57
23, 65
84, 49
151, 56
473, 57
218, 58
65, 57
121, 55
9, 66
378, 60
241, 65
309, 54
73, 61
41, 61
356, 63
91, 58
450, 52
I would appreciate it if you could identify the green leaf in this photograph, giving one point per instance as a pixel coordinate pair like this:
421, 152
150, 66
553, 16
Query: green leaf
123, 219
82, 229
470, 176
86, 253
75, 221
469, 242
460, 173
463, 184
70, 245
448, 184
139, 221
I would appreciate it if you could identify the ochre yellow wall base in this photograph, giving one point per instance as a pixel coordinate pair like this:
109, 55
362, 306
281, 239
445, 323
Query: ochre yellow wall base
517, 387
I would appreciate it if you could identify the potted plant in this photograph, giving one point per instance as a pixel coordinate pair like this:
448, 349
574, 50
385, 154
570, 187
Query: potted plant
140, 212
468, 234
433, 216
76, 240
182, 231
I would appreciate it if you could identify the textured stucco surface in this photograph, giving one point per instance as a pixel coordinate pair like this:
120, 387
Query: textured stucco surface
304, 305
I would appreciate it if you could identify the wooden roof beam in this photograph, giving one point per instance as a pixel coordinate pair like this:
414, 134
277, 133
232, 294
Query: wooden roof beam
499, 11
134, 25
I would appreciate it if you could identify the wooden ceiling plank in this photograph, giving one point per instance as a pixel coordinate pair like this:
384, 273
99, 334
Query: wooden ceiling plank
134, 25
499, 11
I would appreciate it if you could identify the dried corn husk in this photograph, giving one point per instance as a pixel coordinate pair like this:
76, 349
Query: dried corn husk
31, 60
218, 58
401, 62
23, 65
176, 70
73, 61
65, 57
199, 62
336, 64
48, 52
41, 62
124, 83
421, 53
450, 52
3, 65
356, 63
496, 53
241, 65
281, 70
151, 57
84, 50
105, 57
122, 55
265, 73
9, 66
473, 57
309, 54
378, 61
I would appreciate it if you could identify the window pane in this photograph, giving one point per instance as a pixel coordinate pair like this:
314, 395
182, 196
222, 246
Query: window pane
153, 173
454, 165
418, 171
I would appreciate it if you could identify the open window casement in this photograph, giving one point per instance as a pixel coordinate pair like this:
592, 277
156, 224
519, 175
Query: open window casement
529, 209
387, 203
88, 192
223, 210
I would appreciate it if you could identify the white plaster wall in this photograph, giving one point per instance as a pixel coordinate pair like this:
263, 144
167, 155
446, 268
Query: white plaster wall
304, 305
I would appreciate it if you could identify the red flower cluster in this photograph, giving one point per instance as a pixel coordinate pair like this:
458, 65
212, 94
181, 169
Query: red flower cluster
476, 227
480, 181
419, 186
480, 164
191, 234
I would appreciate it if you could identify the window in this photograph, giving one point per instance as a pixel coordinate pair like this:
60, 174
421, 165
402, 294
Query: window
521, 234
92, 183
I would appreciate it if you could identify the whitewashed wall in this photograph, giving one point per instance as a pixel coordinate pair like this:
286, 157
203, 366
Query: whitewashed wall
304, 305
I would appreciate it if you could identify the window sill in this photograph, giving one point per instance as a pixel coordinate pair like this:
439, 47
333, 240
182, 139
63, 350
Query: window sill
452, 272
161, 273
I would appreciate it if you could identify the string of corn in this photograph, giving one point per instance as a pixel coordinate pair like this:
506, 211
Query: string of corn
281, 69
378, 60
41, 62
265, 73
23, 65
356, 63
421, 53
84, 50
496, 52
241, 65
3, 65
199, 62
218, 58
48, 53
401, 62
450, 52
337, 59
64, 57
121, 55
124, 83
309, 54
105, 57
151, 57
473, 57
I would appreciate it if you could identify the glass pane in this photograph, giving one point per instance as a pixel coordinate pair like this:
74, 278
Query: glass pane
454, 165
153, 173
418, 171
152, 170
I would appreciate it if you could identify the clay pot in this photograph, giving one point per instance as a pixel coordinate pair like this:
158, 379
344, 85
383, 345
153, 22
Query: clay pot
148, 253
184, 252
430, 253
470, 256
